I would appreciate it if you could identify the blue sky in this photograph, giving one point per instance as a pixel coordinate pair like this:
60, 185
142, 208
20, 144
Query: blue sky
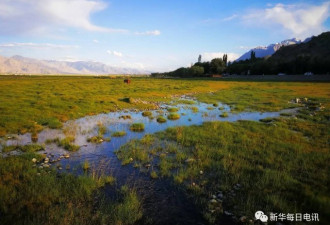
150, 34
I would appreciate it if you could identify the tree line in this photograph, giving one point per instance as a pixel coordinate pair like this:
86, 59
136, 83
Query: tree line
199, 69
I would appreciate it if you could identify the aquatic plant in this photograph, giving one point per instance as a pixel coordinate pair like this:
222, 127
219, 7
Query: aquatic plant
85, 165
173, 116
172, 109
137, 127
66, 143
98, 139
161, 119
224, 114
125, 117
23, 148
118, 134
194, 109
146, 113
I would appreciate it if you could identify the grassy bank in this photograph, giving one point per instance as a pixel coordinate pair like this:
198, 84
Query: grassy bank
29, 195
28, 104
280, 165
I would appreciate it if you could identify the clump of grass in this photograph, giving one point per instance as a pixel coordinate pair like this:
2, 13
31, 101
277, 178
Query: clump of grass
34, 137
128, 210
135, 152
118, 134
224, 114
146, 113
266, 120
210, 108
9, 148
23, 148
102, 129
173, 116
137, 127
98, 139
194, 109
85, 165
153, 174
125, 117
221, 108
186, 102
215, 104
172, 109
66, 143
285, 114
50, 122
161, 119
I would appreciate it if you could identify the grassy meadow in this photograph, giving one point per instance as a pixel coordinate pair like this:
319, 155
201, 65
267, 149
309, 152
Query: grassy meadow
276, 164
282, 166
30, 103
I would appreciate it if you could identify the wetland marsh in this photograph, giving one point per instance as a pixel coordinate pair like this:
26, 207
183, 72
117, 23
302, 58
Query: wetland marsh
157, 151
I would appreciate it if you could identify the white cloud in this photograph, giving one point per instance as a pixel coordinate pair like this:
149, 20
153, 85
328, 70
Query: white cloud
208, 56
229, 18
32, 16
298, 20
37, 45
151, 33
115, 53
219, 20
96, 41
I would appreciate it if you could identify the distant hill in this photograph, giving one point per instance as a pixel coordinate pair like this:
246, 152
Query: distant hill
310, 56
23, 65
317, 47
262, 51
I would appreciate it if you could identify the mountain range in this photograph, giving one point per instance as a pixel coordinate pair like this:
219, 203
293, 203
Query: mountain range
262, 51
22, 65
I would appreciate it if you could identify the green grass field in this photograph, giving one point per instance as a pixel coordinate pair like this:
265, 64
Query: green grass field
277, 167
277, 164
28, 104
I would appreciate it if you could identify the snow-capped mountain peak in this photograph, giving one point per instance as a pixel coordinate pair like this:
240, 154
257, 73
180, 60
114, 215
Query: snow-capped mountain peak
262, 51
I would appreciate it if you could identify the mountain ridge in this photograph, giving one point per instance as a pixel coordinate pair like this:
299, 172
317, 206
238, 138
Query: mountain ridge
23, 65
263, 51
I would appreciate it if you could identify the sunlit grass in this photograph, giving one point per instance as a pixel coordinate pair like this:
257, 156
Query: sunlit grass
48, 101
274, 164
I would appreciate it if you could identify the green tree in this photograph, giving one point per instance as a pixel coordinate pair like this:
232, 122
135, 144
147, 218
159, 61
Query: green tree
253, 56
196, 70
225, 58
217, 66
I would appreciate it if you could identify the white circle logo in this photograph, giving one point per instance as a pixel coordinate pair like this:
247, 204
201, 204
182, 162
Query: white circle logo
259, 215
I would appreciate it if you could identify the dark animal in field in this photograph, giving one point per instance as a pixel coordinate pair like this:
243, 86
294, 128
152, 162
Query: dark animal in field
127, 81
